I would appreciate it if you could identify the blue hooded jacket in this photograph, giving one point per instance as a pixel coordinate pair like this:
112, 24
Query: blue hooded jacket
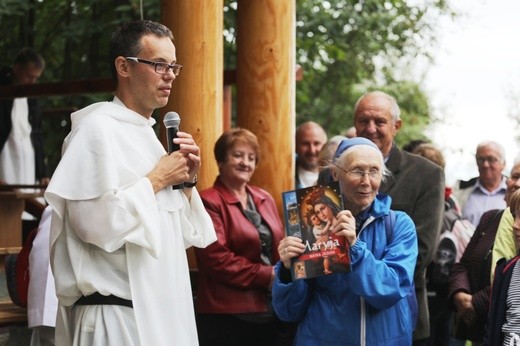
370, 305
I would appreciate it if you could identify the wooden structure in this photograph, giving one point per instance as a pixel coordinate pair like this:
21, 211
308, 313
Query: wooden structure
13, 202
9, 313
265, 79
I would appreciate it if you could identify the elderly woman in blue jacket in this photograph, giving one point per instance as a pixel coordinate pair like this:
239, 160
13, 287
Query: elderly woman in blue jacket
374, 303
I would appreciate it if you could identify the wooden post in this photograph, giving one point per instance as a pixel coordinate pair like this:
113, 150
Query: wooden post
266, 65
197, 93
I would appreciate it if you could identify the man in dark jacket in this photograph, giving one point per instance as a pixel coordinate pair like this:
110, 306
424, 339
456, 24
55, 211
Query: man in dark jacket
416, 187
21, 140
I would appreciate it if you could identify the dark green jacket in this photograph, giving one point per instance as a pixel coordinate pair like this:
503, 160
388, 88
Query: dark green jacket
417, 188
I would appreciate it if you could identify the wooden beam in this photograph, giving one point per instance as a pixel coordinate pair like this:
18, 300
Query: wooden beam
89, 86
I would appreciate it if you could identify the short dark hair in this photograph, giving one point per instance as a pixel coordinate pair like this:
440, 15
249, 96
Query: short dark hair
126, 40
29, 56
232, 137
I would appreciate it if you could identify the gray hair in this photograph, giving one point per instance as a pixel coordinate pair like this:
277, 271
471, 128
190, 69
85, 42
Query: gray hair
327, 151
395, 111
495, 145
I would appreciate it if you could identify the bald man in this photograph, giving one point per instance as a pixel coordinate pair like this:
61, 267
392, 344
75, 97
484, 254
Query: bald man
416, 187
310, 138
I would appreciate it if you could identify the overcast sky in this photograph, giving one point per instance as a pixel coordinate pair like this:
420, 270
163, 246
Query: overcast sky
477, 64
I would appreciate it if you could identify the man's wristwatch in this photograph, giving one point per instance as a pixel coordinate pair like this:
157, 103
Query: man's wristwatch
188, 184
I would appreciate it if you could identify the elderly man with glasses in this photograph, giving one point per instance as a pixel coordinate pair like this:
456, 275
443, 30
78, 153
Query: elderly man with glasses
119, 230
416, 187
488, 190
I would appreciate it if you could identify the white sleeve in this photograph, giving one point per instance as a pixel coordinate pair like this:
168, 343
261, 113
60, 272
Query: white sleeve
124, 215
197, 226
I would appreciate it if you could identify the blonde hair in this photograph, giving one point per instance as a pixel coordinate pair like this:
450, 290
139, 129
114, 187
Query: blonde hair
430, 152
514, 202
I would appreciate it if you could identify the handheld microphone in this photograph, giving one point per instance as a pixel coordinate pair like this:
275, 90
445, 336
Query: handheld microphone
171, 123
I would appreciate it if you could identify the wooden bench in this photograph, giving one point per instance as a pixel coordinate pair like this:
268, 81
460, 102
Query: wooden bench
9, 313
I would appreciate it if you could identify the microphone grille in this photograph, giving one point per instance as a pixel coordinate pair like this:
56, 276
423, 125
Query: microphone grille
171, 119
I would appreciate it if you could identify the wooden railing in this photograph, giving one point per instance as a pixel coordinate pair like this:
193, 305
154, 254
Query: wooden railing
90, 86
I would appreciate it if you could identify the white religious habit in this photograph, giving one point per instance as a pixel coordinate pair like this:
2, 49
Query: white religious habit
42, 303
17, 165
17, 161
111, 234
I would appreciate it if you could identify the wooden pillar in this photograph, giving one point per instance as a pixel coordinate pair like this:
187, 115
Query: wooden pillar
197, 93
266, 44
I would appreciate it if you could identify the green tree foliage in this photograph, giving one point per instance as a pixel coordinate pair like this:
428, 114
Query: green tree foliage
348, 47
73, 37
342, 45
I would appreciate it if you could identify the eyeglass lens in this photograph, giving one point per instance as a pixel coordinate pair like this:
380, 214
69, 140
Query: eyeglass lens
490, 159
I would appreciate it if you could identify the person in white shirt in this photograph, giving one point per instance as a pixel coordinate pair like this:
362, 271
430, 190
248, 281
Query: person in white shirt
42, 303
488, 190
119, 231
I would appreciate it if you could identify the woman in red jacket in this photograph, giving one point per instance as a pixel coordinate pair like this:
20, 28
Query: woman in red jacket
236, 272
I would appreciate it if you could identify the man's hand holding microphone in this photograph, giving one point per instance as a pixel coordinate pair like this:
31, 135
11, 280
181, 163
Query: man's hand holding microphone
180, 166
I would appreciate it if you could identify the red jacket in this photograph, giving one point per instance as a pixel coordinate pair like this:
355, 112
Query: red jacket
232, 278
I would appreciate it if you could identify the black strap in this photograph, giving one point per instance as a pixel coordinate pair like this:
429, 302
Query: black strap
99, 299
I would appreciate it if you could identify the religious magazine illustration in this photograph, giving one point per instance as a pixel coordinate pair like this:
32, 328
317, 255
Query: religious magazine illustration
309, 215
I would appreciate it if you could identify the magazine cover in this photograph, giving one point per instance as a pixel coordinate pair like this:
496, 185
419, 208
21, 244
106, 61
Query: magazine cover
309, 214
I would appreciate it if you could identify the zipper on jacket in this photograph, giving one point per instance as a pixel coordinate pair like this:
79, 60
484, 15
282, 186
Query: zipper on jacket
363, 326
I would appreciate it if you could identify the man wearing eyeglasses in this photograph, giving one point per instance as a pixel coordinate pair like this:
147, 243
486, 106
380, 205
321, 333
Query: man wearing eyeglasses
119, 230
488, 190
416, 187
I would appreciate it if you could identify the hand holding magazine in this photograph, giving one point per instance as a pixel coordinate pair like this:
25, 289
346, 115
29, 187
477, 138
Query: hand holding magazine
309, 215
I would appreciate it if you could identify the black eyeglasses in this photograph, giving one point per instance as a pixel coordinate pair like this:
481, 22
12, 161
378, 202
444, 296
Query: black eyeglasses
160, 67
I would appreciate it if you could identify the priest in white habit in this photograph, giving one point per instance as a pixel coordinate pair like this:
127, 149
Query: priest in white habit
119, 231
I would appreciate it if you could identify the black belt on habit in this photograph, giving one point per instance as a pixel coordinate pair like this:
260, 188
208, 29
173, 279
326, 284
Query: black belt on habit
99, 299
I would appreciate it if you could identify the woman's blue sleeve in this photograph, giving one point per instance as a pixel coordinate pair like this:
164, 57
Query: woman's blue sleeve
290, 299
383, 282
